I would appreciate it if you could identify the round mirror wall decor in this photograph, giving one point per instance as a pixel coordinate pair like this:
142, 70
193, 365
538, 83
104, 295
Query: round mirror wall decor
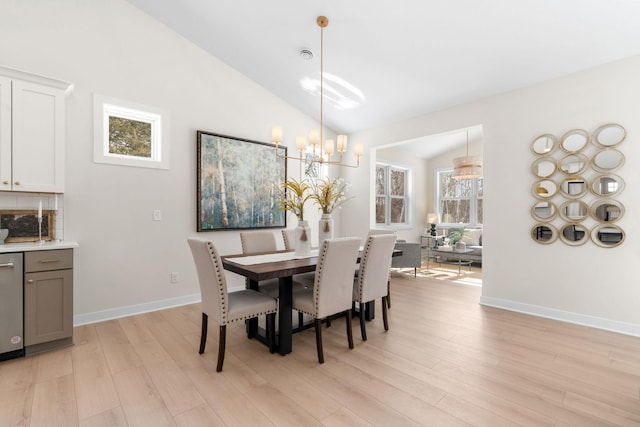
607, 185
544, 144
607, 210
544, 233
573, 164
578, 204
543, 167
574, 187
574, 210
574, 140
607, 160
544, 211
609, 135
607, 236
544, 188
574, 234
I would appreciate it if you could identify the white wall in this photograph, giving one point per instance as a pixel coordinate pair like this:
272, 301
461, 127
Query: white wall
586, 284
109, 47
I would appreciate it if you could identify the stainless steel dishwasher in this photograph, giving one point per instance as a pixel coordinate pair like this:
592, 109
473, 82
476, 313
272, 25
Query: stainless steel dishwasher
11, 306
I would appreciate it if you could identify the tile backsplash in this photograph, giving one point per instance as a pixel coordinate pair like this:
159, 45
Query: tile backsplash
31, 201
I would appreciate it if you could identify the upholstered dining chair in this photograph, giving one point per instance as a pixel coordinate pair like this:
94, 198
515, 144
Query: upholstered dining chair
226, 307
254, 242
375, 232
333, 286
289, 238
372, 279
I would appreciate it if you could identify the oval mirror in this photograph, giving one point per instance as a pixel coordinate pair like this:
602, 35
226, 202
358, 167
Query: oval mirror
607, 160
544, 144
609, 135
574, 140
544, 233
574, 186
544, 167
544, 188
607, 185
573, 164
607, 236
607, 210
574, 234
544, 211
574, 210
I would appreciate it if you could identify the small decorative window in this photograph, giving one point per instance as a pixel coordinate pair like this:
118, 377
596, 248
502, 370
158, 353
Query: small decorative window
392, 195
130, 134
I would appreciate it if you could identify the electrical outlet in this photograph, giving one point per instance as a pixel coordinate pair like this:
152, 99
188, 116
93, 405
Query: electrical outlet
175, 277
157, 215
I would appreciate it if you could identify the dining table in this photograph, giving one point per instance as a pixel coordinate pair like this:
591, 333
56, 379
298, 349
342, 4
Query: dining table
281, 265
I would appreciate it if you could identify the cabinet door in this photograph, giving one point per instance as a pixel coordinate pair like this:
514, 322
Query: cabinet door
38, 126
5, 133
48, 306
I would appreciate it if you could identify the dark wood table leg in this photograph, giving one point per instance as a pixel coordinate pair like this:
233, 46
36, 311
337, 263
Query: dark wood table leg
284, 315
370, 310
252, 324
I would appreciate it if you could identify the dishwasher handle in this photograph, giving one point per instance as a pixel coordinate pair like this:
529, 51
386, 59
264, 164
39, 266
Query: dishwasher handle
7, 264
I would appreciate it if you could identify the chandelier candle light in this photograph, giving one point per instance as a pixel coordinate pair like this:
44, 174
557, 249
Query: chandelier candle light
467, 167
326, 148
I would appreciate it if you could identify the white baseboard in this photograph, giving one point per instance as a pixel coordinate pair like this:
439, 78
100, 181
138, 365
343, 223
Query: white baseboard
114, 313
564, 316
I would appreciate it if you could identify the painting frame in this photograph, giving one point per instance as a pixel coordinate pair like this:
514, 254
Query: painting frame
238, 183
24, 222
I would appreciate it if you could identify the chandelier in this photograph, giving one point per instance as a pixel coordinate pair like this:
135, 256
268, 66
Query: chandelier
467, 167
323, 151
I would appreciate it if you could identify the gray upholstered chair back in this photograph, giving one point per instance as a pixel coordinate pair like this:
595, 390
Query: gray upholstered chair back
333, 287
374, 267
213, 284
258, 241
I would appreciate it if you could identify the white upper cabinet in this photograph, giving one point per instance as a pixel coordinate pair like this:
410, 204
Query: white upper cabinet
32, 133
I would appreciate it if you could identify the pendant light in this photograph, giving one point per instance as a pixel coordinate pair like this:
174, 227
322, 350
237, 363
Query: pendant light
467, 167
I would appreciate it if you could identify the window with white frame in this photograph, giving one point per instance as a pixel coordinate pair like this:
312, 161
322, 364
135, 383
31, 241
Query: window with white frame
130, 134
392, 195
459, 200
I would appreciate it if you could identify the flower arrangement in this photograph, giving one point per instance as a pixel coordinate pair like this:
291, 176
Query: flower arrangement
296, 194
329, 194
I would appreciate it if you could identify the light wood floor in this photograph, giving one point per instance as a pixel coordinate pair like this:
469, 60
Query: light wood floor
445, 361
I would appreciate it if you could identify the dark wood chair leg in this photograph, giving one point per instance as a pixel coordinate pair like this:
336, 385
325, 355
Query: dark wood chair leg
271, 331
349, 331
384, 313
318, 325
221, 345
300, 319
328, 321
363, 328
388, 293
203, 333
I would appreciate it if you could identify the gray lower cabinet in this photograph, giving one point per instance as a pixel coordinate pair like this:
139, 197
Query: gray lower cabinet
48, 299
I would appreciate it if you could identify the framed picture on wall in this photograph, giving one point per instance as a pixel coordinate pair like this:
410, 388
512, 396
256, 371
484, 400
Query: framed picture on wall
23, 225
239, 182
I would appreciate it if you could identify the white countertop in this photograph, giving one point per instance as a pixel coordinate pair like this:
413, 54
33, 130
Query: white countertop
33, 246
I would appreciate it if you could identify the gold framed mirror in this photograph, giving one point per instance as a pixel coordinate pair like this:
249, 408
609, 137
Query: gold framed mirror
544, 210
574, 210
574, 140
607, 160
607, 185
574, 234
573, 187
607, 210
607, 235
544, 188
573, 164
609, 135
544, 233
543, 167
544, 144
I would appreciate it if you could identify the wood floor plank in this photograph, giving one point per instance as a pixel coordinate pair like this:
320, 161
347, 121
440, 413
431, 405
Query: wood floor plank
201, 416
54, 403
110, 418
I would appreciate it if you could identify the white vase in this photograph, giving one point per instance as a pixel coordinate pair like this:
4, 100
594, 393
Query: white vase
325, 228
303, 238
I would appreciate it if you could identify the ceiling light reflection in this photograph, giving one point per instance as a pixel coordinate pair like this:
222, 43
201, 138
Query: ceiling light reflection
339, 93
